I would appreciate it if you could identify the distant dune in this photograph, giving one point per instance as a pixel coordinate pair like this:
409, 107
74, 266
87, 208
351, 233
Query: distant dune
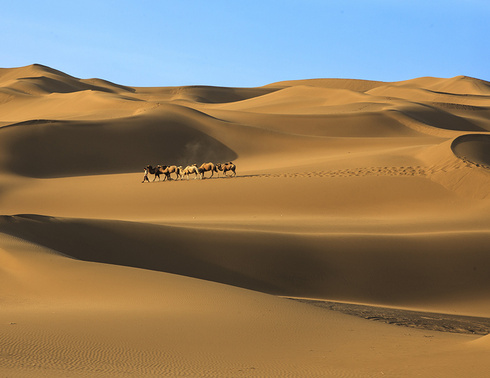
347, 191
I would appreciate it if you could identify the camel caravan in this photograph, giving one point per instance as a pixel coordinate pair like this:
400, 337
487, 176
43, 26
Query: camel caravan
180, 173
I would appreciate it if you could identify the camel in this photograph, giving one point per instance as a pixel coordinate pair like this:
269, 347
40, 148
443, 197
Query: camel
167, 170
225, 167
190, 169
154, 171
205, 168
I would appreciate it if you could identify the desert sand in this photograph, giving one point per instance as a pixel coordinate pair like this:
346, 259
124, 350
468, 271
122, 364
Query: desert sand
349, 194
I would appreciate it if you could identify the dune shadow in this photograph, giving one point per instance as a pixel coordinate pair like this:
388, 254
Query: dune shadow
48, 149
473, 148
354, 267
145, 246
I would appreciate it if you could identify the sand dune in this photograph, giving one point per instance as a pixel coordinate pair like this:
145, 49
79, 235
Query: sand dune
347, 190
355, 267
129, 322
49, 148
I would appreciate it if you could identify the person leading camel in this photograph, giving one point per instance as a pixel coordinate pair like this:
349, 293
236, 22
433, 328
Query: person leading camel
145, 178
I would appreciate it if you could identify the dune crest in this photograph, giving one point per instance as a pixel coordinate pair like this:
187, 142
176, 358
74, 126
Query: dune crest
37, 79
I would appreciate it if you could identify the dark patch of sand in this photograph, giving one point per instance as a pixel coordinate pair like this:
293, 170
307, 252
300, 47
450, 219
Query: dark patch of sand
407, 318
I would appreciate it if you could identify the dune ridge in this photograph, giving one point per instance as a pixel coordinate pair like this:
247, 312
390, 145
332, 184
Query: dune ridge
348, 191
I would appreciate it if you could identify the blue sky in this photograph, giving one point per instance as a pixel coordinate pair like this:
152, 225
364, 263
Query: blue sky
248, 43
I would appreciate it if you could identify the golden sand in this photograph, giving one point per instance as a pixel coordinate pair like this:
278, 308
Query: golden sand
346, 190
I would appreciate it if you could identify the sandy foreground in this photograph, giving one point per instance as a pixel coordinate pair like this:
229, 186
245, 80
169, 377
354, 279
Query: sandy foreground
363, 201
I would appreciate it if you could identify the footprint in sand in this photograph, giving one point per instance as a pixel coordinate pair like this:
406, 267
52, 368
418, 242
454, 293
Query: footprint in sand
358, 172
